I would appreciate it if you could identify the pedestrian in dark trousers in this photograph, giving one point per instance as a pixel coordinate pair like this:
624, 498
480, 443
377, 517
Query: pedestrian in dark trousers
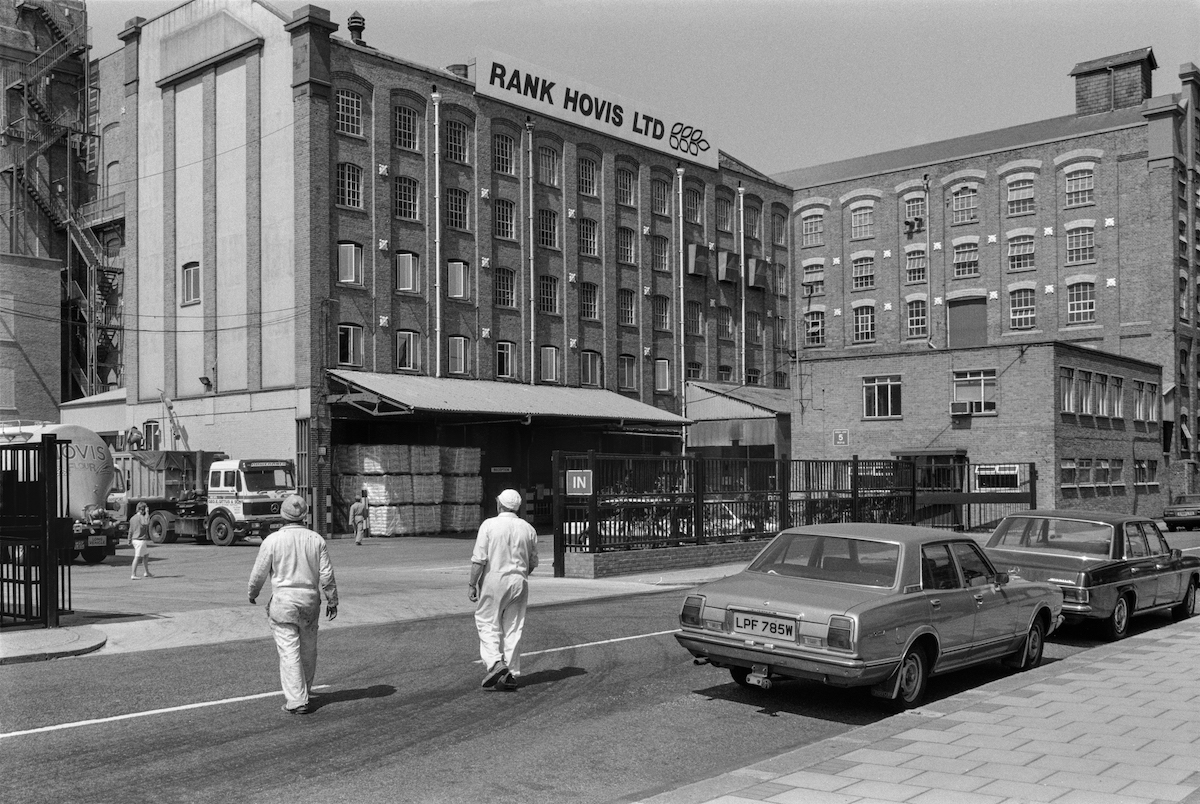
504, 555
297, 562
360, 517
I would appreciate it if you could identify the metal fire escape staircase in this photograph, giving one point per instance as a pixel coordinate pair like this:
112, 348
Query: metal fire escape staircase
93, 288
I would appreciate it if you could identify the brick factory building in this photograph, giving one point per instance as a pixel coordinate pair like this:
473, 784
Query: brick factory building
967, 300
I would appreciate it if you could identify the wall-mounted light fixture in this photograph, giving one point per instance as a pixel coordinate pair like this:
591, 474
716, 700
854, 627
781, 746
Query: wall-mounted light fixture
207, 383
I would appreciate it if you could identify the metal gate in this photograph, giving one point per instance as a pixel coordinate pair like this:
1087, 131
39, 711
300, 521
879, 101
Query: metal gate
35, 537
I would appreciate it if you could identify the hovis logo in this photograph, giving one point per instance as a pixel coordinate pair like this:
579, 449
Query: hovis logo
688, 139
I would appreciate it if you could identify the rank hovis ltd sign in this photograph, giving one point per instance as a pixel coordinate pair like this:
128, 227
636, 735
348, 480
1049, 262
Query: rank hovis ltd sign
556, 95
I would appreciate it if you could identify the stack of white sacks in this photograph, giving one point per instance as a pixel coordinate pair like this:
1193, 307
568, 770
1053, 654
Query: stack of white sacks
412, 489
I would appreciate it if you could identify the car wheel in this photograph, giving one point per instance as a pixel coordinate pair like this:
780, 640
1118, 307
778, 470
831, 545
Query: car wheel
1035, 645
93, 555
739, 675
1187, 606
220, 531
914, 677
1117, 625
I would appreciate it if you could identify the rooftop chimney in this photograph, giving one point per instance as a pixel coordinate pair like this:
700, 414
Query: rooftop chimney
355, 26
1113, 82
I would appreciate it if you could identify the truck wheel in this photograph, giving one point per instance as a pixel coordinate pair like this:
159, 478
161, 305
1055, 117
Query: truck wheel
220, 531
160, 528
92, 555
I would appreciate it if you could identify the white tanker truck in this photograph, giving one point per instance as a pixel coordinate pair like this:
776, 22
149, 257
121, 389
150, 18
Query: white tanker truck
89, 476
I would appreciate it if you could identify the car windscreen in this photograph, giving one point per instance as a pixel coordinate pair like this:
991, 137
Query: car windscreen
830, 558
1046, 535
268, 480
1186, 499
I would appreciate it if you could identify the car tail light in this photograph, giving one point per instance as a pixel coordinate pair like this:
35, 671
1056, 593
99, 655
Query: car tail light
1074, 594
841, 633
693, 607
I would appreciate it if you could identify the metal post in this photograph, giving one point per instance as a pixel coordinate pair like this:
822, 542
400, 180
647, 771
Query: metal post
593, 533
560, 505
48, 583
854, 488
699, 526
782, 485
1033, 478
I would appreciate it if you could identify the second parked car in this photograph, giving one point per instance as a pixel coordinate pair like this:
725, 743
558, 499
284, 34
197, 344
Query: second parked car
1183, 512
1109, 566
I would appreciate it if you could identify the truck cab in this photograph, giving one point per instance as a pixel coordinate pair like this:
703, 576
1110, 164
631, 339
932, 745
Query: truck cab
244, 497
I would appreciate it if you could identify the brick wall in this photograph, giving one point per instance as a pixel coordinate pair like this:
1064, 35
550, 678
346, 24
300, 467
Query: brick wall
30, 340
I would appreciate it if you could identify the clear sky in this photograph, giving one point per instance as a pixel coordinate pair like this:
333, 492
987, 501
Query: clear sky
783, 84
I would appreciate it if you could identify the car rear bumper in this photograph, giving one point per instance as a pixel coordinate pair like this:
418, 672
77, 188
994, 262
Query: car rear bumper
840, 673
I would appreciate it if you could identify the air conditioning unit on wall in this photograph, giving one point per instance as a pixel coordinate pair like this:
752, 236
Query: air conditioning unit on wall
960, 408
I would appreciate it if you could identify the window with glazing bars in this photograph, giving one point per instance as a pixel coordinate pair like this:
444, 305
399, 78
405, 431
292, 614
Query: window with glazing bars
1081, 245
977, 387
662, 374
863, 273
504, 359
966, 259
549, 367
881, 397
691, 205
504, 287
781, 279
626, 372
694, 320
504, 223
753, 376
1081, 186
1021, 253
753, 223
457, 357
724, 214
695, 371
779, 230
915, 266
781, 331
548, 294
548, 166
658, 253
587, 177
864, 324
625, 307
725, 322
591, 368
779, 379
588, 245
406, 271
814, 279
1020, 196
625, 187
456, 208
862, 222
661, 307
917, 318
754, 327
659, 197
625, 246
964, 205
502, 154
407, 198
350, 345
589, 304
349, 185
349, 112
914, 207
406, 350
456, 141
547, 228
812, 230
814, 328
405, 122
1022, 313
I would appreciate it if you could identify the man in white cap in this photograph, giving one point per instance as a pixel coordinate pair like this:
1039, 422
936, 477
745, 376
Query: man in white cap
505, 553
297, 562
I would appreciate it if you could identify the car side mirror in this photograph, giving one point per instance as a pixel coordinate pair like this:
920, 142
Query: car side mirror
1001, 578
1176, 554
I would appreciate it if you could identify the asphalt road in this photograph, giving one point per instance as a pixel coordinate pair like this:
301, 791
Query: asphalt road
404, 720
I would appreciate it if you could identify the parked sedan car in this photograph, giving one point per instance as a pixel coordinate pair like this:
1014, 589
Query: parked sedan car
1110, 566
1183, 512
882, 606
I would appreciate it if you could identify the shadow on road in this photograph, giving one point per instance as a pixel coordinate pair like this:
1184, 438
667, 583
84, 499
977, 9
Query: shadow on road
321, 700
550, 676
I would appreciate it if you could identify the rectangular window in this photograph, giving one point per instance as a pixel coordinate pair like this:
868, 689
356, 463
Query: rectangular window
724, 215
456, 141
781, 331
814, 279
350, 345
779, 230
587, 177
457, 279
504, 359
695, 318
588, 245
350, 263
406, 200
814, 328
349, 112
812, 230
590, 369
1081, 188
864, 324
1083, 391
1081, 246
625, 246
658, 253
725, 322
406, 128
781, 279
916, 264
625, 187
1083, 471
1116, 472
1020, 196
547, 228
1066, 383
978, 387
881, 397
190, 283
1066, 472
1020, 253
753, 223
548, 166
691, 205
504, 223
625, 307
695, 371
1116, 397
658, 197
862, 223
1022, 313
918, 318
964, 205
504, 288
1145, 473
349, 185
966, 260
914, 208
863, 274
548, 294
456, 208
626, 372
1145, 401
1100, 394
457, 357
549, 368
406, 350
589, 306
502, 154
1081, 303
754, 330
662, 375
661, 307
405, 265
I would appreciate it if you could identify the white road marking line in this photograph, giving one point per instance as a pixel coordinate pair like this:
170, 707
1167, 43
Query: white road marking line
590, 644
132, 715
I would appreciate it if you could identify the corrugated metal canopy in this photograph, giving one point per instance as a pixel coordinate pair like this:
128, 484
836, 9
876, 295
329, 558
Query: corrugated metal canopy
713, 401
407, 393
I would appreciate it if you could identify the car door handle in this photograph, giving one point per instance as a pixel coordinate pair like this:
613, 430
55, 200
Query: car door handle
979, 599
935, 603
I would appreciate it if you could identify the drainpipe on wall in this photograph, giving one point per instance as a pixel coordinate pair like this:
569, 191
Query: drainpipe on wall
742, 278
681, 326
374, 251
437, 230
529, 242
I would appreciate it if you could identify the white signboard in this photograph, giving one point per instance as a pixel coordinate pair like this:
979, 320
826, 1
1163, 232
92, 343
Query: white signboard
556, 95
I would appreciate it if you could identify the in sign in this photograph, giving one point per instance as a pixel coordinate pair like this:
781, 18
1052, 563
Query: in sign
579, 482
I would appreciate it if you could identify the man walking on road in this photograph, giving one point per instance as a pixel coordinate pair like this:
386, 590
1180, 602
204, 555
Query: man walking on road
359, 517
297, 562
505, 553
